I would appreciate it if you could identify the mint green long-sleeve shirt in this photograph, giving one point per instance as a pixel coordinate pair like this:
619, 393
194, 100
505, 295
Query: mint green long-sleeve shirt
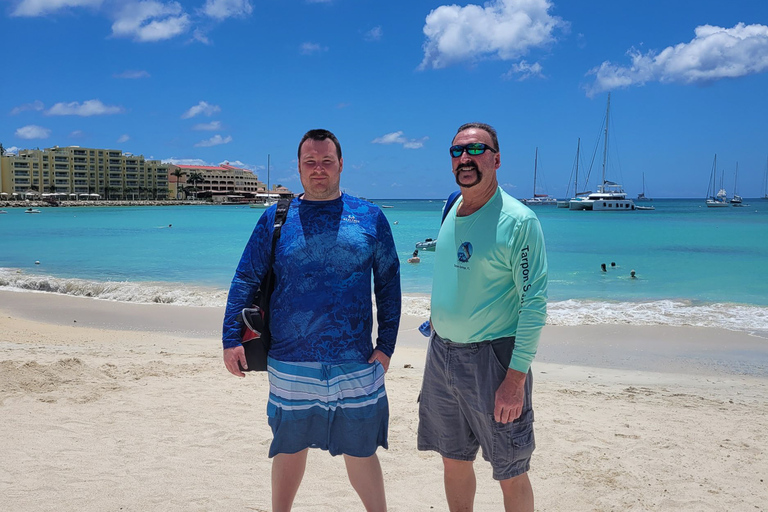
490, 277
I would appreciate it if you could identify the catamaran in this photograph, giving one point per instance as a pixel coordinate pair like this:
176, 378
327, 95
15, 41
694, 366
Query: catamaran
610, 196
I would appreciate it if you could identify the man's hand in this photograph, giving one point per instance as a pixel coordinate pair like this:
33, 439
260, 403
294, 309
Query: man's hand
379, 356
509, 397
234, 358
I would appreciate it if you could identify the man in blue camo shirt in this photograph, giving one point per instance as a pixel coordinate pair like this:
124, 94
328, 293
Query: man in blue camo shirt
326, 377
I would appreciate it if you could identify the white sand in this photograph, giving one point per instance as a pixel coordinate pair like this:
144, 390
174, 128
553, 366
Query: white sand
120, 418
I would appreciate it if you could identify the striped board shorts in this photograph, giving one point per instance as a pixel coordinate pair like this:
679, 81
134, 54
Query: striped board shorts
342, 408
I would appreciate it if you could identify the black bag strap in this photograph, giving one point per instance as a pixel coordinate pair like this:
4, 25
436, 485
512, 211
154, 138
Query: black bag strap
455, 195
268, 285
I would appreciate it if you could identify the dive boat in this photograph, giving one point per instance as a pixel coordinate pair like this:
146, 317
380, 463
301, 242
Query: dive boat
427, 245
31, 210
610, 196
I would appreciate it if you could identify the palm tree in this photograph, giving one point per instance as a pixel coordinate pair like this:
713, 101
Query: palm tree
195, 178
178, 173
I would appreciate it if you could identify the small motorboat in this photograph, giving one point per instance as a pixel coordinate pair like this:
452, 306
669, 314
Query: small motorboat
387, 206
644, 207
2, 212
427, 245
31, 210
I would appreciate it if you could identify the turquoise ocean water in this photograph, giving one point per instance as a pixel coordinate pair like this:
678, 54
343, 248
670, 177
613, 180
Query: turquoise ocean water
695, 266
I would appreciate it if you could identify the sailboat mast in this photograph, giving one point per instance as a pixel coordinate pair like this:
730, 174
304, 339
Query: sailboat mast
736, 179
576, 179
535, 167
605, 145
268, 187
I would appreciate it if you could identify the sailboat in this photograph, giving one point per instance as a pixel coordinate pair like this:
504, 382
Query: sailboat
538, 199
267, 199
765, 181
715, 200
641, 195
578, 196
736, 200
610, 196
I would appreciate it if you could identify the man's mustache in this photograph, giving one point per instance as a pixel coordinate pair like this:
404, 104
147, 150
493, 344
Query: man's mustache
467, 167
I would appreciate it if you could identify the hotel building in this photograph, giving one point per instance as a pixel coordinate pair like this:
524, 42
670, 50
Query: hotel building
223, 183
75, 172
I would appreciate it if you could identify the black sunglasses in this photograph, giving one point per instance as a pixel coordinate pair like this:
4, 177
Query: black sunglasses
473, 148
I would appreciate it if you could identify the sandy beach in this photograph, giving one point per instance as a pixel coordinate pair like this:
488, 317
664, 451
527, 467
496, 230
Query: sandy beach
111, 406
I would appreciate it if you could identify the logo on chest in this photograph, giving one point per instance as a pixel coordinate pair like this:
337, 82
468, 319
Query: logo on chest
464, 252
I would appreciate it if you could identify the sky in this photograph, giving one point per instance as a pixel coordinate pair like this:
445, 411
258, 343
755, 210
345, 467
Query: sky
214, 81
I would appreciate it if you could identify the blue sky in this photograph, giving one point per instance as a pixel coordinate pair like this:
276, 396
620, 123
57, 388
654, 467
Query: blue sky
235, 80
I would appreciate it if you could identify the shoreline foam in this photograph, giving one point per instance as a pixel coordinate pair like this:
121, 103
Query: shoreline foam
748, 318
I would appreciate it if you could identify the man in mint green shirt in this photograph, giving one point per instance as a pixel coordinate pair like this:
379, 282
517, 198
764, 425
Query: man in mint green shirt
489, 301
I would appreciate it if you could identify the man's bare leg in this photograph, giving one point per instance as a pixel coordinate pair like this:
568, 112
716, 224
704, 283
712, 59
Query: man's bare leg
287, 472
367, 479
518, 494
460, 484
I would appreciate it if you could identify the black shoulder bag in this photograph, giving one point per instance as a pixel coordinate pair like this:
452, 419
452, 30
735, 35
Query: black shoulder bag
256, 337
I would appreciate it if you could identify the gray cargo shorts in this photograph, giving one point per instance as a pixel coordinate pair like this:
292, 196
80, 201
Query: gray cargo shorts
456, 406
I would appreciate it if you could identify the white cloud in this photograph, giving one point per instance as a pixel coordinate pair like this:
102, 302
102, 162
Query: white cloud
132, 74
41, 7
397, 138
86, 109
715, 53
200, 36
504, 29
310, 48
216, 140
77, 134
223, 9
212, 126
33, 132
523, 71
187, 161
243, 165
36, 105
201, 108
374, 34
123, 138
149, 21
13, 150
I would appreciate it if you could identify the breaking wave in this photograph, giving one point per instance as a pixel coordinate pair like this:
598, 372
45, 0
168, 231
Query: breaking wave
678, 313
121, 291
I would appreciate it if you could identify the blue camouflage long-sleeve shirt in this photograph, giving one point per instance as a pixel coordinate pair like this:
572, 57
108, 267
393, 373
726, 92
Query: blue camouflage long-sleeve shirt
321, 307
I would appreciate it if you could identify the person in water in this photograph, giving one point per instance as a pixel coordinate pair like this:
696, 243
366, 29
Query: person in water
415, 258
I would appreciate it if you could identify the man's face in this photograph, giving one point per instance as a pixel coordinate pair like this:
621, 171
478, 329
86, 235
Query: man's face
471, 170
320, 170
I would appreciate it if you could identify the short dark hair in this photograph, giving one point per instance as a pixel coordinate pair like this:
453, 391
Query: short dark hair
320, 134
481, 126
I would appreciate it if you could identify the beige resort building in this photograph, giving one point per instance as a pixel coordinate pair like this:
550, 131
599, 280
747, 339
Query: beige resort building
221, 184
74, 172
77, 173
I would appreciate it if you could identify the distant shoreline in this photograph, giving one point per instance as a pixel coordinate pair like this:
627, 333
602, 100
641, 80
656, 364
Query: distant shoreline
68, 204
